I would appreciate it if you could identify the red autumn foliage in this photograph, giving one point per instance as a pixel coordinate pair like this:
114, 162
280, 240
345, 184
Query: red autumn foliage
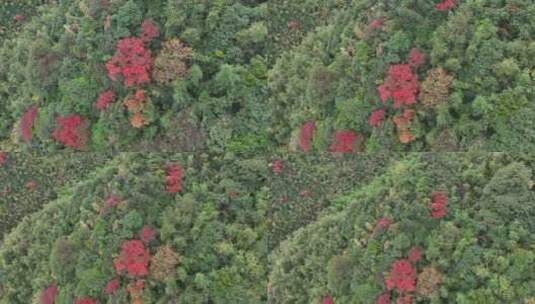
305, 137
276, 166
19, 18
404, 299
416, 58
402, 276
140, 95
376, 24
383, 223
135, 104
134, 259
377, 117
112, 286
149, 31
401, 85
70, 131
383, 298
3, 158
104, 99
31, 185
305, 193
344, 141
132, 61
147, 234
112, 201
174, 178
135, 289
85, 301
402, 123
445, 5
49, 294
415, 254
293, 25
438, 206
327, 300
26, 123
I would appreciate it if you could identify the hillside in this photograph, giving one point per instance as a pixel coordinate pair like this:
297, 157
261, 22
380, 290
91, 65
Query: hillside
267, 151
145, 228
433, 228
242, 76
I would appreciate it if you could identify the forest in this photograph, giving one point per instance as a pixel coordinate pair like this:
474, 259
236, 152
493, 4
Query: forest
280, 151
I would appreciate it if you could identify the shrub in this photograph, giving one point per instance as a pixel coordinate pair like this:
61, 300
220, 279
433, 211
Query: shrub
171, 62
49, 294
346, 141
133, 259
306, 134
163, 263
71, 131
173, 179
401, 86
434, 90
132, 61
26, 122
149, 31
104, 99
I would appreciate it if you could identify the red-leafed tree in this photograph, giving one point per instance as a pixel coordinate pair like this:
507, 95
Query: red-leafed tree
377, 117
104, 99
306, 135
416, 58
344, 142
173, 179
19, 18
3, 158
135, 289
415, 254
26, 123
276, 166
438, 206
402, 276
132, 61
404, 299
112, 201
133, 260
445, 5
383, 223
327, 300
49, 294
401, 85
402, 123
383, 298
376, 24
71, 131
147, 234
149, 31
112, 286
85, 301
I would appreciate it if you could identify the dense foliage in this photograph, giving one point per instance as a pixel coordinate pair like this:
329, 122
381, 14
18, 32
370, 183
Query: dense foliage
118, 236
432, 229
246, 75
267, 151
412, 75
199, 63
302, 187
28, 181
